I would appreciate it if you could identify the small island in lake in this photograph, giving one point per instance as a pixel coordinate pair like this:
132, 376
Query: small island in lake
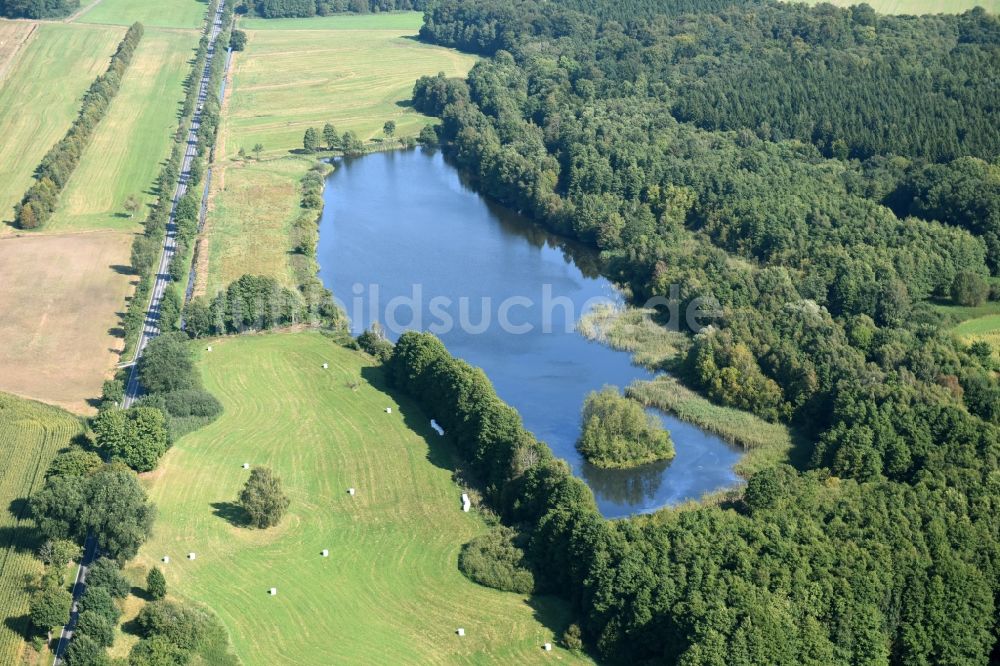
619, 433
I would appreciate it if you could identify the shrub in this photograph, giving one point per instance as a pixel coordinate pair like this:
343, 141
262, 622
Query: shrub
191, 402
969, 289
85, 651
572, 639
182, 625
97, 627
113, 390
166, 364
156, 584
57, 553
136, 436
98, 600
428, 136
495, 560
74, 462
375, 343
107, 574
50, 608
238, 40
111, 504
157, 651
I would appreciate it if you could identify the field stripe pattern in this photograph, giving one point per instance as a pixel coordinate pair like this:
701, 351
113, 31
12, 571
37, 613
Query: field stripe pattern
390, 592
30, 435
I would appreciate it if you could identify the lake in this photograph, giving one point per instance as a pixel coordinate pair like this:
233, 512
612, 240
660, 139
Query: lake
406, 242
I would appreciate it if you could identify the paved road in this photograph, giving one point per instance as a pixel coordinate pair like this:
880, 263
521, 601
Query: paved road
79, 587
151, 326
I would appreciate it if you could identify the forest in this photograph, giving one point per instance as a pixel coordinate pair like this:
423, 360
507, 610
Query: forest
713, 150
38, 9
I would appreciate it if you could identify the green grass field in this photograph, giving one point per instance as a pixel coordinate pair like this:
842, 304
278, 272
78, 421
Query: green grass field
30, 435
972, 323
40, 97
983, 327
152, 13
356, 72
251, 221
130, 144
390, 592
920, 6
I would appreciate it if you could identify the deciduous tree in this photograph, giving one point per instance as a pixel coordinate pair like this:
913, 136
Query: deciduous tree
263, 499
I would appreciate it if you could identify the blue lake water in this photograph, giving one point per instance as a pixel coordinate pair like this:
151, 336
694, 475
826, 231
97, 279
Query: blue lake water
405, 242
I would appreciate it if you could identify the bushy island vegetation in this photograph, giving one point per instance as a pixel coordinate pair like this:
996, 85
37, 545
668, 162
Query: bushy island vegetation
618, 433
708, 146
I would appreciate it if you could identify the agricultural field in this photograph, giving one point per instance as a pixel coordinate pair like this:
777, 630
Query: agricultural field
158, 14
14, 36
30, 435
60, 297
355, 72
253, 207
130, 144
40, 97
390, 592
918, 7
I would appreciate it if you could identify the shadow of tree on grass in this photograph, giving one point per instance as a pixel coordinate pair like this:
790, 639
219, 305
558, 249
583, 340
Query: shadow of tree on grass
231, 512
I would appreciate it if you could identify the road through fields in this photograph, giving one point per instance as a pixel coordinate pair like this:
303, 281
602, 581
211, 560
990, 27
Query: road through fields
151, 326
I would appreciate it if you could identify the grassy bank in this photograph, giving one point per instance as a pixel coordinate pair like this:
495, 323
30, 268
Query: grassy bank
254, 210
765, 443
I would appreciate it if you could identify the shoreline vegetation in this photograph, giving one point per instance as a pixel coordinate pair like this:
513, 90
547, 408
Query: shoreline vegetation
661, 350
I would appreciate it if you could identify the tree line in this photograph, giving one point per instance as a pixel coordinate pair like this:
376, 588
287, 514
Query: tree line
58, 165
146, 247
823, 268
306, 8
